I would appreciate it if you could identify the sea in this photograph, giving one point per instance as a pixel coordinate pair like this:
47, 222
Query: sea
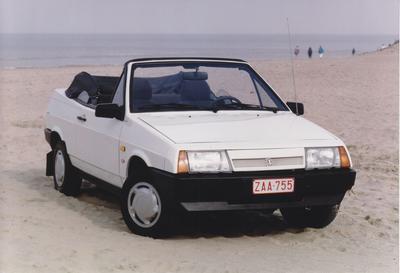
55, 50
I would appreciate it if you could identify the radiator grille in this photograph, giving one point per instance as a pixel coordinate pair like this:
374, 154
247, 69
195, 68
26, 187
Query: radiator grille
267, 162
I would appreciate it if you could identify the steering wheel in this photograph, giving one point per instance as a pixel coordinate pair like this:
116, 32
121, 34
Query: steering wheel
223, 99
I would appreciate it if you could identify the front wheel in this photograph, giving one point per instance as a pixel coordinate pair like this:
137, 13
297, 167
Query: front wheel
316, 217
147, 208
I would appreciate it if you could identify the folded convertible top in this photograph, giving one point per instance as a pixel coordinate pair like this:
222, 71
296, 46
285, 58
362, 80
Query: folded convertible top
93, 85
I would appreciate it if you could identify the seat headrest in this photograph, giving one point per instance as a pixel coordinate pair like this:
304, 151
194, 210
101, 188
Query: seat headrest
193, 76
195, 90
141, 89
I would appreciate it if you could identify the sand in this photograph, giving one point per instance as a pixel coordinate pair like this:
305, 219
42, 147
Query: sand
42, 230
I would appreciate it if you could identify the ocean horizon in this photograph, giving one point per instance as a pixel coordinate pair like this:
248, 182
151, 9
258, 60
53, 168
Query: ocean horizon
55, 50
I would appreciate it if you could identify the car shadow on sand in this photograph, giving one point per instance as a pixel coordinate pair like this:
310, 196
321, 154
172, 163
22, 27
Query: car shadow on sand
103, 209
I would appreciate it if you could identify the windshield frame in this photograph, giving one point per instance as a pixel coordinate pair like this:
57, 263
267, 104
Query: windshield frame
224, 63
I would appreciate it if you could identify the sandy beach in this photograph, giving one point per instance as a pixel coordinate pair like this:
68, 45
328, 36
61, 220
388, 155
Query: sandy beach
356, 98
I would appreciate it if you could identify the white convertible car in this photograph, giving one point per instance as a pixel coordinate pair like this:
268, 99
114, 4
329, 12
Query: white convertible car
194, 134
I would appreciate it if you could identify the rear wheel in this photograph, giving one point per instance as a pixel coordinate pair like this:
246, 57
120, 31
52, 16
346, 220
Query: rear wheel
316, 217
147, 207
66, 178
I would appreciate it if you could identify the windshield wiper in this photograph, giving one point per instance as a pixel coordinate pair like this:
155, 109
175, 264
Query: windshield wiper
255, 106
215, 108
244, 106
172, 106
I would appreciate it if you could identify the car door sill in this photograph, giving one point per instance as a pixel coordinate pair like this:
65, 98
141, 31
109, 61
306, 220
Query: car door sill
101, 183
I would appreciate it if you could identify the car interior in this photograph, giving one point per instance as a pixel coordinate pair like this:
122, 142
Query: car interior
183, 88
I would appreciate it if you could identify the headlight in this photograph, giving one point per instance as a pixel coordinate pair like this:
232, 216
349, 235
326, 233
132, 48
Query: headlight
329, 157
203, 161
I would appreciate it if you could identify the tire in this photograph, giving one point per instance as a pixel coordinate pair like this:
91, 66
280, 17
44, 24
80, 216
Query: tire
148, 207
66, 178
315, 217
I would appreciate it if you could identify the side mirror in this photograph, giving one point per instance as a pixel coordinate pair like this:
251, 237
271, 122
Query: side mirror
109, 110
296, 107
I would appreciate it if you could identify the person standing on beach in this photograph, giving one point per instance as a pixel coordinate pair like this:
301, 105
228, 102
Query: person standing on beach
296, 51
309, 52
321, 51
353, 51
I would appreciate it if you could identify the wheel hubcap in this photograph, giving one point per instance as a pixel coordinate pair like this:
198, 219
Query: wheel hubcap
59, 168
144, 204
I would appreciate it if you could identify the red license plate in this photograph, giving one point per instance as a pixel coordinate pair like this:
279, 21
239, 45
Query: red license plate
273, 185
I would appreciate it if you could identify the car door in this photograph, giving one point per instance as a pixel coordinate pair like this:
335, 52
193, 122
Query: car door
97, 140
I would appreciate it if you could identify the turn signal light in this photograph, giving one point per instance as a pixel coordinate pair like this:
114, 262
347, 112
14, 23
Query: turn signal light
183, 163
344, 158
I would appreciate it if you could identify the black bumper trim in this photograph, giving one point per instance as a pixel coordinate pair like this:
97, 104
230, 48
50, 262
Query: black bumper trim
234, 190
49, 155
225, 206
49, 164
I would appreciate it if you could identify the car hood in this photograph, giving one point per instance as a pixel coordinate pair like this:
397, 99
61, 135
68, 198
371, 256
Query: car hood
235, 126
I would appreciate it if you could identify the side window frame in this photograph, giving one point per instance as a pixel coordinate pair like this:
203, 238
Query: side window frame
257, 79
122, 80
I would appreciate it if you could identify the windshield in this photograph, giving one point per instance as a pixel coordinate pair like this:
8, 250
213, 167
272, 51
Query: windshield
200, 86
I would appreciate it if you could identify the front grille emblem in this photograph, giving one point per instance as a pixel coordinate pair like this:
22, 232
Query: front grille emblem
268, 162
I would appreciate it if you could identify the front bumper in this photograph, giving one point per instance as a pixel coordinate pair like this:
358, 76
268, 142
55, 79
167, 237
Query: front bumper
233, 191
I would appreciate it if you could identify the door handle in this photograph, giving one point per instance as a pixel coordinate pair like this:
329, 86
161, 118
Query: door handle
81, 118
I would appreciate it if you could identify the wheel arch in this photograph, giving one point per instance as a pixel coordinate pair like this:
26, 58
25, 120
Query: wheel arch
135, 164
55, 136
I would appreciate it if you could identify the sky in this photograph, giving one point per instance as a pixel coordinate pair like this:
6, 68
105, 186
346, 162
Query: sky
201, 16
